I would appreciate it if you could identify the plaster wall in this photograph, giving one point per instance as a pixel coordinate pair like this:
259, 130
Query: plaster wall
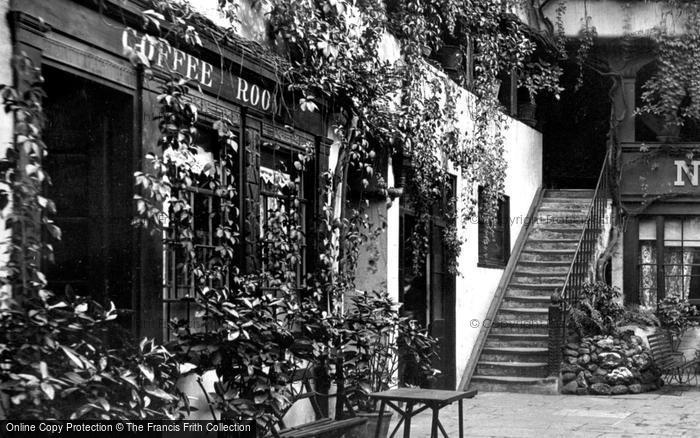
476, 286
612, 18
6, 128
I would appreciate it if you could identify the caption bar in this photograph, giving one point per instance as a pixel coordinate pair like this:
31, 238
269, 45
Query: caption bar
128, 428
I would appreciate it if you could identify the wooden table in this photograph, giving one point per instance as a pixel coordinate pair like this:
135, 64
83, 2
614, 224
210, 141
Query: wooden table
434, 399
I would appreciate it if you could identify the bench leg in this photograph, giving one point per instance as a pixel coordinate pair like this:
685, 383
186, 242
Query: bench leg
407, 423
382, 406
461, 419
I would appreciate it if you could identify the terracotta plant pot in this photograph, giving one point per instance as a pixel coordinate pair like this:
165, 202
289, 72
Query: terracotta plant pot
526, 113
369, 428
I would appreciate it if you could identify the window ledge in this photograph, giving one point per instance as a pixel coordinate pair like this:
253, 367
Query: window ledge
491, 265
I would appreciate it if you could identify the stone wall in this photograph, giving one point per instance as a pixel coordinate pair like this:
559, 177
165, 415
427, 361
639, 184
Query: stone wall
605, 365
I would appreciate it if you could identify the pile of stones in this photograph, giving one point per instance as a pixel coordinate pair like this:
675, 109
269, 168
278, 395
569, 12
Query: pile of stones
606, 365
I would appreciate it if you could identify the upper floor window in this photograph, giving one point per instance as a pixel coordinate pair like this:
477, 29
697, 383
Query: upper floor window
494, 246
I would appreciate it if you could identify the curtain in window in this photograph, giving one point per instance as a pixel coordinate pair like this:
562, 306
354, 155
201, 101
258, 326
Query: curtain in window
678, 268
647, 272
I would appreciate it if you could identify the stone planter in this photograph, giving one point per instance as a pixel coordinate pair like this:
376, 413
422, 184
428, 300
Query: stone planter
369, 428
603, 365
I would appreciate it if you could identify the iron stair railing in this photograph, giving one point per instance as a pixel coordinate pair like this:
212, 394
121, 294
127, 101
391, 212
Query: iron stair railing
580, 269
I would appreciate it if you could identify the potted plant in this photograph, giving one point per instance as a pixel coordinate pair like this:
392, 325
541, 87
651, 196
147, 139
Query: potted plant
541, 75
380, 339
675, 315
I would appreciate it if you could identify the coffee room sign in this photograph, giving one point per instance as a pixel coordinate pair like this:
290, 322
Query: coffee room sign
158, 53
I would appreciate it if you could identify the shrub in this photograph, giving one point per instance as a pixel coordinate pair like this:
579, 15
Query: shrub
597, 312
380, 340
66, 358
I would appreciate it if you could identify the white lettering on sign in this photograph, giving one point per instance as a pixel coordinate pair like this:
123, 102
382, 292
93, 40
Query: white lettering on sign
251, 94
158, 52
683, 168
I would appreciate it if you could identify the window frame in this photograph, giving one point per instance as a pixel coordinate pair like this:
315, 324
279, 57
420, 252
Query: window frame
660, 245
484, 260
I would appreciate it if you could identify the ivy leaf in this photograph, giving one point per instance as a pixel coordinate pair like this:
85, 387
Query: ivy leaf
48, 389
147, 372
73, 356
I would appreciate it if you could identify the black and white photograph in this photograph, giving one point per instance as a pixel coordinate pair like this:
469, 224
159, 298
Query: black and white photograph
349, 218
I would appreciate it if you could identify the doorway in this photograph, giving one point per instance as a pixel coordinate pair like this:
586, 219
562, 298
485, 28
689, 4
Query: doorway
89, 138
428, 294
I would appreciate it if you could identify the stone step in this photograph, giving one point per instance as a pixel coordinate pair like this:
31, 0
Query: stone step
557, 214
541, 278
536, 264
569, 193
523, 314
519, 328
565, 200
582, 205
545, 255
524, 290
551, 272
531, 340
541, 271
534, 301
541, 234
514, 354
561, 226
526, 385
551, 244
519, 369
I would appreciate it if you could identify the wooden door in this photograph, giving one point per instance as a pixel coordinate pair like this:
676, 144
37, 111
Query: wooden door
442, 307
428, 296
89, 143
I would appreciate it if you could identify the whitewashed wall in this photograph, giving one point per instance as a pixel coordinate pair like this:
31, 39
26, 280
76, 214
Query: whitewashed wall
476, 286
5, 119
611, 17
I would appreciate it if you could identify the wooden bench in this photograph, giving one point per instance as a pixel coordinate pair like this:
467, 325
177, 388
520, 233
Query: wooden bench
673, 364
324, 427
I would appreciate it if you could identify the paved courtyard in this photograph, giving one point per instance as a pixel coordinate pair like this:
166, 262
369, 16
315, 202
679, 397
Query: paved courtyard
671, 412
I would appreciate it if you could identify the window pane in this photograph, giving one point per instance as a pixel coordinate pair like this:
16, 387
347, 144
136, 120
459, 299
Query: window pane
673, 232
647, 229
691, 232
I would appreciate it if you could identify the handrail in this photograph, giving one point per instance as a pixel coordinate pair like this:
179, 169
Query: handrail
585, 250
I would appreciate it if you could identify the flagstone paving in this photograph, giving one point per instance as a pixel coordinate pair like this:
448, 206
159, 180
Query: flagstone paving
671, 412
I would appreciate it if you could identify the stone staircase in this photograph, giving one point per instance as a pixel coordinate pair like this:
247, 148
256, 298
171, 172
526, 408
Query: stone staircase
514, 356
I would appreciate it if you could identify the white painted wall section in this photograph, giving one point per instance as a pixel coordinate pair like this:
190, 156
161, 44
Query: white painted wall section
476, 286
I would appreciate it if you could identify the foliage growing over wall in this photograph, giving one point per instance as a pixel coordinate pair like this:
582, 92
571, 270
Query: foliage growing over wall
63, 356
406, 108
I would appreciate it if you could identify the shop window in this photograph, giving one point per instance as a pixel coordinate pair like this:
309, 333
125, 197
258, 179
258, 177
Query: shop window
207, 216
282, 191
680, 252
494, 246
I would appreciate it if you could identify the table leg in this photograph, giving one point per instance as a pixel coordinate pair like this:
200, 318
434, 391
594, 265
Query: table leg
382, 406
407, 423
461, 419
434, 426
